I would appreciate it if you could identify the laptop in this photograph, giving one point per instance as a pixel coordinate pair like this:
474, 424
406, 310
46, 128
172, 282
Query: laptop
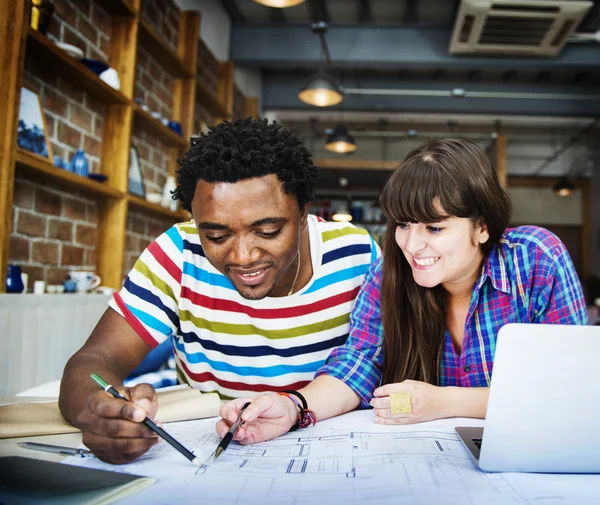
543, 411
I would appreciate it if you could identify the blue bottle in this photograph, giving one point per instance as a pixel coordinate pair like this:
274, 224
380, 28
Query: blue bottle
81, 165
14, 282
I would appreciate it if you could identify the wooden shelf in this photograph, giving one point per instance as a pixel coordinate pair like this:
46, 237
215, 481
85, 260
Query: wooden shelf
152, 41
157, 129
120, 8
71, 69
41, 166
140, 203
209, 101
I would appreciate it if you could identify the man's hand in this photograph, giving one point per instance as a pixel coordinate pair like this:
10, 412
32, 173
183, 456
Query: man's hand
112, 429
267, 417
428, 402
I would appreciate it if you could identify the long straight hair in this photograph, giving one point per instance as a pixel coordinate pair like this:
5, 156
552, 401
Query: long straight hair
457, 176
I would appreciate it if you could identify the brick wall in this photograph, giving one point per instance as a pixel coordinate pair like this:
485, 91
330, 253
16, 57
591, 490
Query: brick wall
142, 229
163, 15
54, 231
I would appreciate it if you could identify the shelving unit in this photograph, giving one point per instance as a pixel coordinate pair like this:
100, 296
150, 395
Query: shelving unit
122, 115
120, 8
40, 46
39, 166
156, 128
139, 203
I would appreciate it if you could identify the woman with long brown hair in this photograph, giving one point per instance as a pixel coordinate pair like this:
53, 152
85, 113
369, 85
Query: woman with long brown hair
428, 313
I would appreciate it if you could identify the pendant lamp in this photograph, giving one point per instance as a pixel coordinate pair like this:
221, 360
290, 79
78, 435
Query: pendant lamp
279, 4
563, 187
340, 141
321, 90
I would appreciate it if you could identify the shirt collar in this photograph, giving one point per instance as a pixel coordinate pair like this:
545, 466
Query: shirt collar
494, 267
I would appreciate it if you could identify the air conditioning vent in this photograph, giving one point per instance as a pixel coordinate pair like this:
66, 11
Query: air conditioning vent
526, 28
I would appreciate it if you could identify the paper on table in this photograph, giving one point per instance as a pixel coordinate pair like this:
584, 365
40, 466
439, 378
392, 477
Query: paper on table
33, 419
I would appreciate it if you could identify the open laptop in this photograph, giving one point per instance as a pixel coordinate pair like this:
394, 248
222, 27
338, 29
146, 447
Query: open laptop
543, 412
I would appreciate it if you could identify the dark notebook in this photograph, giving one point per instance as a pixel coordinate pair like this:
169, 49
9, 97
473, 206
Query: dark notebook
28, 480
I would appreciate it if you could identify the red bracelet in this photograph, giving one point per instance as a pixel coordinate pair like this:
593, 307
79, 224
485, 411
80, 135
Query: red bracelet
306, 417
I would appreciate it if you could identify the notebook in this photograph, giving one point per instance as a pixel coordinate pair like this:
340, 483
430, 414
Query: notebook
543, 408
25, 481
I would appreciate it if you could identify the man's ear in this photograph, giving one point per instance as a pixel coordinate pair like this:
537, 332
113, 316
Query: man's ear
304, 216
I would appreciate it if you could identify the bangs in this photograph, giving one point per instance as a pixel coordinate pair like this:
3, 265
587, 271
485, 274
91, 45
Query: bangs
420, 191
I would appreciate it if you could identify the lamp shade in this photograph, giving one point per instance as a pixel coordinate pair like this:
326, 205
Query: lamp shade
279, 4
342, 214
321, 90
563, 187
340, 141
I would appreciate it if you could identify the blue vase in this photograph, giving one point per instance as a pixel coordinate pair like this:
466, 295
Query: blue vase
81, 165
14, 282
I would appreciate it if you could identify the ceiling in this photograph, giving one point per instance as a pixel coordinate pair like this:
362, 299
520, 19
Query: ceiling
392, 60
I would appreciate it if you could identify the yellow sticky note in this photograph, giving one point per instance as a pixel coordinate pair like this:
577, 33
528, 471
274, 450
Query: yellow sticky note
400, 403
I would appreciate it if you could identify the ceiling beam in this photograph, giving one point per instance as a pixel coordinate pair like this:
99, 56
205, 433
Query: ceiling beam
388, 95
233, 11
591, 22
370, 47
365, 14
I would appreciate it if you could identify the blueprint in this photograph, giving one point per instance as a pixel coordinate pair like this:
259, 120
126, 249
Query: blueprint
346, 460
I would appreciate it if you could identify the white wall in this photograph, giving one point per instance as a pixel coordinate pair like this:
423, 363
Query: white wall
215, 25
249, 80
542, 206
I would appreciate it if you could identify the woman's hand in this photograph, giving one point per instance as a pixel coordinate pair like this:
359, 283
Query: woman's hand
428, 402
267, 417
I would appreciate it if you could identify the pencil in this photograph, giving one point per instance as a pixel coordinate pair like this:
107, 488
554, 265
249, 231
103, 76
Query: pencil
223, 444
149, 422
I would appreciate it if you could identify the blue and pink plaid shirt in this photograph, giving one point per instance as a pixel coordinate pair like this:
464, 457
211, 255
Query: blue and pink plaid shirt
527, 278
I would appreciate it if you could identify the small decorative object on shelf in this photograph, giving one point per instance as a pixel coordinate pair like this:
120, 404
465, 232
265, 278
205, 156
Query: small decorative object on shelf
98, 177
58, 162
14, 281
71, 50
31, 134
70, 286
176, 127
136, 178
167, 199
96, 66
40, 15
111, 77
80, 163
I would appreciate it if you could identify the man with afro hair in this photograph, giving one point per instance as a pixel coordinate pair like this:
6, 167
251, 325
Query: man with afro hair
254, 292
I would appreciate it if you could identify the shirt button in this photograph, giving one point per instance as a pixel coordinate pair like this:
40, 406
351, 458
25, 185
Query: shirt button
467, 369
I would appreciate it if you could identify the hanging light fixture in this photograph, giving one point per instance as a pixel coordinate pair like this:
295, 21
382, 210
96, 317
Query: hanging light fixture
563, 187
322, 89
340, 141
342, 214
279, 4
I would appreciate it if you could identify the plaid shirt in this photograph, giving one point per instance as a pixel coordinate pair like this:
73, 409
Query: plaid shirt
527, 278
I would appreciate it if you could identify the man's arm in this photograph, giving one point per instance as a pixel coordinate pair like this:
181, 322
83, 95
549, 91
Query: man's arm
111, 428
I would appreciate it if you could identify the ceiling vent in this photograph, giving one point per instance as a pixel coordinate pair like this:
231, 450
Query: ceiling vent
526, 28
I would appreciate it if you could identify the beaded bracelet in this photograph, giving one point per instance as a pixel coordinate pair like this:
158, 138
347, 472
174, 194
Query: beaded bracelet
306, 417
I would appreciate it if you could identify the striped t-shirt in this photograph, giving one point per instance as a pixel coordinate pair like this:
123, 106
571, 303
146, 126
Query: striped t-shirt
234, 346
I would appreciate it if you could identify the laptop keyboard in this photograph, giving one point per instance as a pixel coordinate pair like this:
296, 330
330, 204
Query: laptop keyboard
477, 442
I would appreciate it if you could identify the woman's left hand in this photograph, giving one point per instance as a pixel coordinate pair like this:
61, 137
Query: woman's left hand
427, 402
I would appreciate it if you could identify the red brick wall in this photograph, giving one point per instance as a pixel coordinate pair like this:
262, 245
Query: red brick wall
142, 229
54, 231
163, 15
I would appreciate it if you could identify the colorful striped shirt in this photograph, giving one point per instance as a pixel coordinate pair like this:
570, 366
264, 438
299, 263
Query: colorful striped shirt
234, 346
527, 278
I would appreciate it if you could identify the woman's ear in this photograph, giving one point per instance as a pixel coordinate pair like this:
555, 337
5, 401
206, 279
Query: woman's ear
483, 232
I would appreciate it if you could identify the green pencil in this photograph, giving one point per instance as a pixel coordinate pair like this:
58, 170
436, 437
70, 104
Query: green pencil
149, 422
